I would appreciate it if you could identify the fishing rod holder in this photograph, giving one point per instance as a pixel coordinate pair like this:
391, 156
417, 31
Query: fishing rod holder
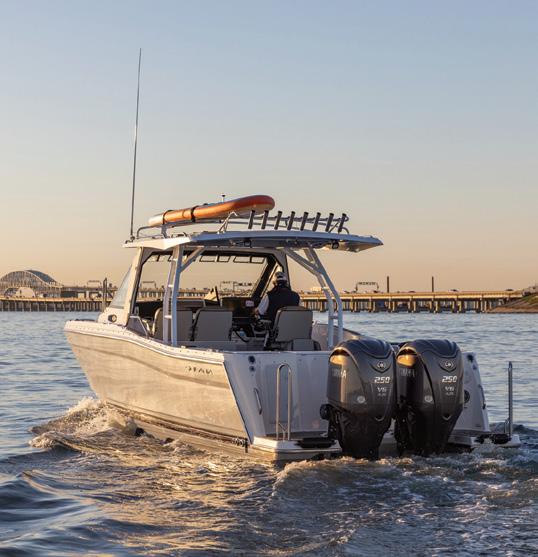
293, 221
259, 221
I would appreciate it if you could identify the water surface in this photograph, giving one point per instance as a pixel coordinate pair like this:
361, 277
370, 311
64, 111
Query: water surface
72, 482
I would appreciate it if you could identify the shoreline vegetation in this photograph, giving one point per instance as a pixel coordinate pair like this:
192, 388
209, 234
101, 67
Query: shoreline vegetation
528, 304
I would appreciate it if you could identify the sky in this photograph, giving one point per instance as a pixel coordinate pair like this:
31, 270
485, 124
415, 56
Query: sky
418, 119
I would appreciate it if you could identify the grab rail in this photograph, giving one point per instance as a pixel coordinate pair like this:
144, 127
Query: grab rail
509, 424
286, 433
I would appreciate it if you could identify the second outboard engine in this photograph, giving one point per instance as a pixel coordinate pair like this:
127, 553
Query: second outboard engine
360, 391
429, 393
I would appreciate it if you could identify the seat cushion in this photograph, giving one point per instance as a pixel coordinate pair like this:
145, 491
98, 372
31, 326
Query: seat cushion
212, 323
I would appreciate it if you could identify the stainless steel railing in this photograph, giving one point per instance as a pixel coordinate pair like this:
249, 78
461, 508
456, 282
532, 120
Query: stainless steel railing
286, 431
509, 424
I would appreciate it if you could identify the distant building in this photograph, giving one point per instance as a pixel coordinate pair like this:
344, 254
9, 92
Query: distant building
29, 284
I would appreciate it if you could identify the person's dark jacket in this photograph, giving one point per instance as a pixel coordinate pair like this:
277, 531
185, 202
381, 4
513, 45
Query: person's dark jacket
280, 296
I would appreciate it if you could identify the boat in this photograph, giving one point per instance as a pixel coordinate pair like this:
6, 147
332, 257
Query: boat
203, 368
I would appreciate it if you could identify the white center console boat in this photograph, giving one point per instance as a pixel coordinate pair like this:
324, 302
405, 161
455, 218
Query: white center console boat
204, 369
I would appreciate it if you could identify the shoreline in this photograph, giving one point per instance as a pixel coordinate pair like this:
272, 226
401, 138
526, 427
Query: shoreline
528, 304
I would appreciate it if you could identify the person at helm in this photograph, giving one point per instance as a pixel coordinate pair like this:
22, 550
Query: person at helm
281, 295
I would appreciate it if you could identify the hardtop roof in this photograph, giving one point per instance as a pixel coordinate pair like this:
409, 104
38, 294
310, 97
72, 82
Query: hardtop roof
292, 239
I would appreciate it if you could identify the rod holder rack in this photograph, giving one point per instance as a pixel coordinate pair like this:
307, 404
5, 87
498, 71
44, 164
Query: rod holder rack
264, 221
292, 221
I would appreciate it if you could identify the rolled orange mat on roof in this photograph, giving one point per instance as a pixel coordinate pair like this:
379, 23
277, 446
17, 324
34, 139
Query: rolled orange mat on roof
241, 207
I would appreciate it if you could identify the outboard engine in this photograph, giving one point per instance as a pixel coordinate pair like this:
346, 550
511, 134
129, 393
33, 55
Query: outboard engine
429, 394
360, 390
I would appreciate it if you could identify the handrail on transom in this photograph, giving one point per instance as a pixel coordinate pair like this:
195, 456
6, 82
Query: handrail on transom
286, 432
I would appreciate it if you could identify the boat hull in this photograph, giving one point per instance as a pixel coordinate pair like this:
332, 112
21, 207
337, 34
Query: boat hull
183, 390
221, 400
176, 393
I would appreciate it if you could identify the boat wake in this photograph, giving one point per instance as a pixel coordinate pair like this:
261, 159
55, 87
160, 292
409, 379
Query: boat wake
91, 427
181, 501
472, 503
88, 426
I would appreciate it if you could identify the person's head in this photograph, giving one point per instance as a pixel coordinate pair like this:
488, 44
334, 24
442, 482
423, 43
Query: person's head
280, 279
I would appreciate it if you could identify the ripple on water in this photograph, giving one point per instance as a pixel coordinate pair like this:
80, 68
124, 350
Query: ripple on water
82, 484
138, 493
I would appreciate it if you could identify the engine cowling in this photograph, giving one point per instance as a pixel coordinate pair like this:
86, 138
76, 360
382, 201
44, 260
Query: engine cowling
429, 394
360, 391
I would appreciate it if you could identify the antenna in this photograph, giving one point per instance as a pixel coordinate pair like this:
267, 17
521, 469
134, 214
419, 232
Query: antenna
135, 143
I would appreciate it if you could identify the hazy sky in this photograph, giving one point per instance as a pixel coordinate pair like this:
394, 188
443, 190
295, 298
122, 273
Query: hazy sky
419, 119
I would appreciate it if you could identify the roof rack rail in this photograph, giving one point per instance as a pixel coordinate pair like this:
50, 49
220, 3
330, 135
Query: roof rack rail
290, 222
266, 221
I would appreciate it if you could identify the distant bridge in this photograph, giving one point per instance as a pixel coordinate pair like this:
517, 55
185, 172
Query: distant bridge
413, 302
49, 304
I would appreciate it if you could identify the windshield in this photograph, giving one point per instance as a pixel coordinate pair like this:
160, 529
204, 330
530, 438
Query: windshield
233, 274
121, 293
